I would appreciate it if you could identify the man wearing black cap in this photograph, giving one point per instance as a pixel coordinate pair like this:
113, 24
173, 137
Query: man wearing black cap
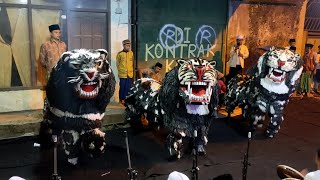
292, 43
51, 50
153, 72
293, 49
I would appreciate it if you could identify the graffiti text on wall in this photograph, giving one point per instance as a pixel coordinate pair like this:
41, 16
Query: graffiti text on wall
176, 42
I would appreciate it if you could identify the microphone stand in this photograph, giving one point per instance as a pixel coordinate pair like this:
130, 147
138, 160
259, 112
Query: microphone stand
55, 175
195, 167
132, 174
245, 160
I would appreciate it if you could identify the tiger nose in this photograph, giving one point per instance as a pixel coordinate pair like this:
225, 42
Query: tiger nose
90, 74
281, 63
200, 71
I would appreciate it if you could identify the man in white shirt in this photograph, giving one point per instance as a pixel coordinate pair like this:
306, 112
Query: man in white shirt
239, 52
314, 175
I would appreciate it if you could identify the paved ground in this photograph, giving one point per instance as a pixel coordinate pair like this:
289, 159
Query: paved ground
295, 146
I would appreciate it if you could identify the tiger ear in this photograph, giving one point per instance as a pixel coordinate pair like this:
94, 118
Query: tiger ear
181, 61
103, 53
272, 48
66, 56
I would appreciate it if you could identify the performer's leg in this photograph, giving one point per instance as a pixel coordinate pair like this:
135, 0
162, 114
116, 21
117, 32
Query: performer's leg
71, 145
274, 125
174, 144
258, 118
202, 139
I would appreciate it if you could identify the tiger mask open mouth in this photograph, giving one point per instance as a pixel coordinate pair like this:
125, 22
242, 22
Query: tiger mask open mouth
279, 63
197, 77
91, 67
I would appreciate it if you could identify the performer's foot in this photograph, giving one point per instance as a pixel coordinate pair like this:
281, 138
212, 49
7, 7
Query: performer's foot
270, 134
201, 150
174, 146
73, 161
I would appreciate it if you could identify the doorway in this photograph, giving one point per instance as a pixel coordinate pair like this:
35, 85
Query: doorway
87, 30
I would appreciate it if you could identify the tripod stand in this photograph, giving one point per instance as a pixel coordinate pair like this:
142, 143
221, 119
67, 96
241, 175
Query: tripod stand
245, 159
55, 175
195, 167
132, 174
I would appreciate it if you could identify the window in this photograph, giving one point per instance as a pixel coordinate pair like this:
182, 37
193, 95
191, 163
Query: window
14, 48
48, 2
14, 1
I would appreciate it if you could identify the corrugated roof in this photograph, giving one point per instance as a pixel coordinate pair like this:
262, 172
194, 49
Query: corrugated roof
312, 22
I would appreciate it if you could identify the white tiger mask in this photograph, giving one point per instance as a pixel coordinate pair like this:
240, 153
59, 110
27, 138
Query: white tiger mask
88, 70
278, 62
197, 77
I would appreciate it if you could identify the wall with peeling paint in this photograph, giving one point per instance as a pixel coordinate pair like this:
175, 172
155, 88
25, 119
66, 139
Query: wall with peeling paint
266, 24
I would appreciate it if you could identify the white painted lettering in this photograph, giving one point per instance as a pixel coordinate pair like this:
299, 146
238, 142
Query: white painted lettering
191, 49
148, 52
158, 49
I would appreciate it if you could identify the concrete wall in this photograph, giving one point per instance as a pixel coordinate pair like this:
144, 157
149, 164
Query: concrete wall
266, 24
119, 31
21, 100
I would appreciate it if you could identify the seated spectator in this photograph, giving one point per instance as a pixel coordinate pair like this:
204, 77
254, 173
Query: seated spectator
177, 176
153, 72
223, 88
16, 178
314, 175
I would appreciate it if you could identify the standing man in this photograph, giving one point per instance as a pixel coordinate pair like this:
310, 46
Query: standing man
51, 50
239, 52
314, 175
292, 49
125, 69
316, 77
153, 73
309, 63
292, 43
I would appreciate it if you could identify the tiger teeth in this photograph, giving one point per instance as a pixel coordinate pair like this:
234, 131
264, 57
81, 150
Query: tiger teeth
197, 98
189, 88
100, 83
89, 94
199, 83
89, 83
277, 70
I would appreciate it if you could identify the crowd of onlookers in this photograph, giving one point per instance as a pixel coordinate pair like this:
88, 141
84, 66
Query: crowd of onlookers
310, 77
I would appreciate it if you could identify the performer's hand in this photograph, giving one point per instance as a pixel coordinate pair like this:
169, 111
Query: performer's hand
240, 55
304, 172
